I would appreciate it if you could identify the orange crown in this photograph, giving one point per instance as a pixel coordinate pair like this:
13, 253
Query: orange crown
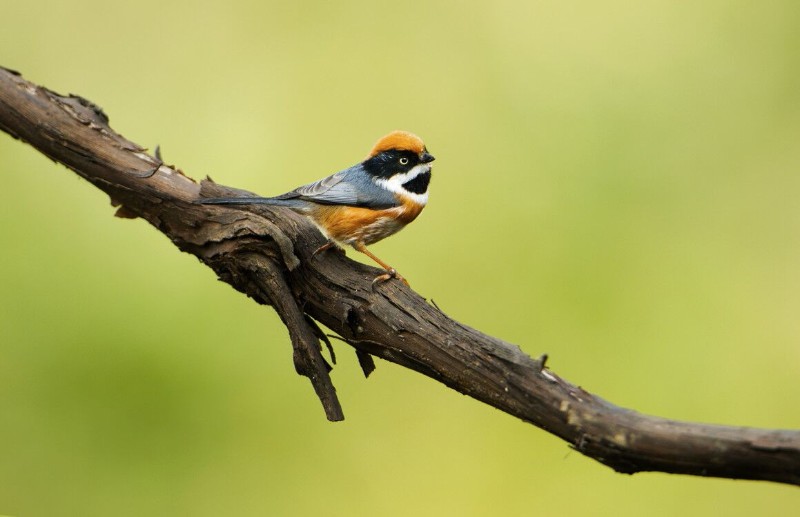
399, 140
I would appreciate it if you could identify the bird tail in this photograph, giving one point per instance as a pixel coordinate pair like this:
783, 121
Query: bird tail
248, 201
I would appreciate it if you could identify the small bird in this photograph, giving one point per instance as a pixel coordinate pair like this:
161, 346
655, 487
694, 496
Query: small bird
365, 203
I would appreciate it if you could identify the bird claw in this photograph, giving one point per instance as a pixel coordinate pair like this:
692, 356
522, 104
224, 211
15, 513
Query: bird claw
390, 273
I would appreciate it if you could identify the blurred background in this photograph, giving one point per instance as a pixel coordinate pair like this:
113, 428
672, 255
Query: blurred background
616, 184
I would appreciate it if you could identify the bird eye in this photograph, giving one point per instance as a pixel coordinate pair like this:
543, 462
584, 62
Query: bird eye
403, 161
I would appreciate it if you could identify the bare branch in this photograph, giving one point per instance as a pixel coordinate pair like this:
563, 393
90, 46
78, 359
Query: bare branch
266, 253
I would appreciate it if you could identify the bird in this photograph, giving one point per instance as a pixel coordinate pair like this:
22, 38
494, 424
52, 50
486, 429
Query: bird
365, 203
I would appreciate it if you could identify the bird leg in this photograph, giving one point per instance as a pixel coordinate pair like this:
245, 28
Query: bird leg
328, 245
390, 271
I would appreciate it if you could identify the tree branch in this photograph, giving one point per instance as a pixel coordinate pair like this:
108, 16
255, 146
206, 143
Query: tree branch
266, 253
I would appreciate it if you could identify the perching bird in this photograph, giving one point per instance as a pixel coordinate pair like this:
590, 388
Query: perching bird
366, 202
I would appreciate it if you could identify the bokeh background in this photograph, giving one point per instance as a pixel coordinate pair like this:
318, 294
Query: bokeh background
617, 185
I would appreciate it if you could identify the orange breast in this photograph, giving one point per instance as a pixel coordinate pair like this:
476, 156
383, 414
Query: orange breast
349, 224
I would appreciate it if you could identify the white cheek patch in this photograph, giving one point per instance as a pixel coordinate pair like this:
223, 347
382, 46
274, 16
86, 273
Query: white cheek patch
395, 183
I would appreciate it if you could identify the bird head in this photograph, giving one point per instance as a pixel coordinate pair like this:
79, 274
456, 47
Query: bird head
401, 162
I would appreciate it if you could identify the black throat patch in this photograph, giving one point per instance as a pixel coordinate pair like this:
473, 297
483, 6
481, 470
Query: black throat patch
418, 185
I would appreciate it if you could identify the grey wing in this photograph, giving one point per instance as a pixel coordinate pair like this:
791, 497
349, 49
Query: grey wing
352, 187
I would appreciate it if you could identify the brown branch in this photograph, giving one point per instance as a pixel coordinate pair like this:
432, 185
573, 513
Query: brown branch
266, 253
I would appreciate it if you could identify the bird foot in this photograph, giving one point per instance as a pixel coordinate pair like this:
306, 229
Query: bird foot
390, 273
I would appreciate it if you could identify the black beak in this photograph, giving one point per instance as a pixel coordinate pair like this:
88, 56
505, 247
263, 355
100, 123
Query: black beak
426, 157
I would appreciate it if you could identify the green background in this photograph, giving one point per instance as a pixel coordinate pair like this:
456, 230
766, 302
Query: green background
616, 184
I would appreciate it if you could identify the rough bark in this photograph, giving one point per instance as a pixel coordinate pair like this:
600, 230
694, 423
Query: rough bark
266, 253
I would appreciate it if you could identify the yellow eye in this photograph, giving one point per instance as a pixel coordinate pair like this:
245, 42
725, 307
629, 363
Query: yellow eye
403, 161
